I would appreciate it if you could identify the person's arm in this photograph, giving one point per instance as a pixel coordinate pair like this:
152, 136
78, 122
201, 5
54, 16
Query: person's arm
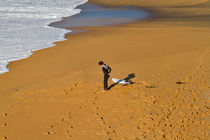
109, 70
105, 71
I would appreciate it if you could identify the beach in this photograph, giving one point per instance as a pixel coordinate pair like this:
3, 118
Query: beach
56, 93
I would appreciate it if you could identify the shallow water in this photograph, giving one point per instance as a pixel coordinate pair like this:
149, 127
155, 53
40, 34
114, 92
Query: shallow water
93, 15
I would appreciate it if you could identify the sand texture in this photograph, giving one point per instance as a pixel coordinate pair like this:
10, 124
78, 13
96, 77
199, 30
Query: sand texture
56, 94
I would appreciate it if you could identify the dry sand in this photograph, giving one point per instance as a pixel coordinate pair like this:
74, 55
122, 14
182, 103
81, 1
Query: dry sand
56, 93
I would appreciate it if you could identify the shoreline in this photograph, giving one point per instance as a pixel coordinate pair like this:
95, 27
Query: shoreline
42, 38
56, 93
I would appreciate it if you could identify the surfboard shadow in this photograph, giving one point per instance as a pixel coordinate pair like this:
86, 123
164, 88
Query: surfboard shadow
127, 79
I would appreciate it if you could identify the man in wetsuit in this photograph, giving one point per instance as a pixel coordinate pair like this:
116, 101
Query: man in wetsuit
107, 71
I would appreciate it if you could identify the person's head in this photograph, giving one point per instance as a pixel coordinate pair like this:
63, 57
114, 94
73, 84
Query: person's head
100, 63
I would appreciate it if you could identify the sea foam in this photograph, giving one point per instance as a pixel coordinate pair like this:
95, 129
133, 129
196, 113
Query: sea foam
24, 26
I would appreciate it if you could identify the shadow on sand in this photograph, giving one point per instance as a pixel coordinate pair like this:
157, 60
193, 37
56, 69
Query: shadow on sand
127, 79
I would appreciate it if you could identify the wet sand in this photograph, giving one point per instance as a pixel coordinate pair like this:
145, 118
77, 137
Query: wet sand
56, 93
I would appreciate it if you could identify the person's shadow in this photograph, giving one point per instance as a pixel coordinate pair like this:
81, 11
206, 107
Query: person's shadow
127, 79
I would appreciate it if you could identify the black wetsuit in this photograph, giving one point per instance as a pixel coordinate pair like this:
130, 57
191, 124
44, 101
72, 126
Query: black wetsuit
106, 69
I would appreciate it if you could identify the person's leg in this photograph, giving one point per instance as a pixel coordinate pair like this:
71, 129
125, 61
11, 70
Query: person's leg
105, 82
107, 88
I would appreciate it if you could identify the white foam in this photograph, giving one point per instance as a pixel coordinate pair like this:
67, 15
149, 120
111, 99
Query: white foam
24, 26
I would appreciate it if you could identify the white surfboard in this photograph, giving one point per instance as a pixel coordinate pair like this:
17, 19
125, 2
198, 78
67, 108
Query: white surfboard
118, 81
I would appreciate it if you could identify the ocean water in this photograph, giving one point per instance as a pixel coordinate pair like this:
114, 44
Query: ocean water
24, 26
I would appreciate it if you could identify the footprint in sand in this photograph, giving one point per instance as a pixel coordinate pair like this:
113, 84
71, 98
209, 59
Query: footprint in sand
138, 127
4, 138
68, 132
110, 130
67, 93
151, 86
69, 137
180, 83
101, 118
4, 125
51, 131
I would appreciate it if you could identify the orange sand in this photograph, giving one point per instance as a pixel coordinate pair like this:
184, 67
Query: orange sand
56, 93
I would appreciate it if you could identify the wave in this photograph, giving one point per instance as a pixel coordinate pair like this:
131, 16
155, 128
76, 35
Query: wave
24, 26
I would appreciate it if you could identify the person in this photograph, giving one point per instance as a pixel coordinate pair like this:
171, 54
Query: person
107, 71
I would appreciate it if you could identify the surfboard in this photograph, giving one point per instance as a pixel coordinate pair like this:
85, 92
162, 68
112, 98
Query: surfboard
118, 81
